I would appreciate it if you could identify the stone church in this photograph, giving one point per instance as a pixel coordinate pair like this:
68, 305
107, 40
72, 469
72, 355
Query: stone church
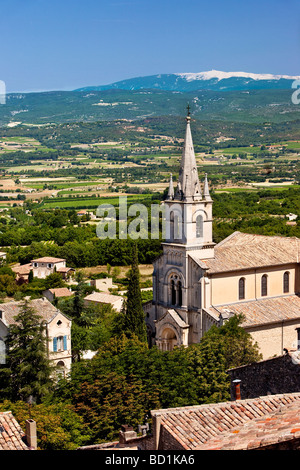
197, 283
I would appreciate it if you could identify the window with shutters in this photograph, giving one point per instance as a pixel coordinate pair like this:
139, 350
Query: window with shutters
60, 343
286, 282
264, 285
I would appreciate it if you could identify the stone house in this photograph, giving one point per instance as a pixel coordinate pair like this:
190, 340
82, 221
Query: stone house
58, 331
102, 298
42, 267
57, 293
46, 265
280, 374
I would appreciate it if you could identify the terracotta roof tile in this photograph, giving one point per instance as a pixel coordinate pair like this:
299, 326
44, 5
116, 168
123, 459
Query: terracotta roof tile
11, 438
262, 311
42, 307
235, 425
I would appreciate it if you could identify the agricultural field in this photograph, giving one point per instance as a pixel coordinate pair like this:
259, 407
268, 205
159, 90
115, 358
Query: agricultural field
72, 166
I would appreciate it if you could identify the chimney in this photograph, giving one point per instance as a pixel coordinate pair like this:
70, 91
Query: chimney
237, 388
31, 437
126, 434
156, 424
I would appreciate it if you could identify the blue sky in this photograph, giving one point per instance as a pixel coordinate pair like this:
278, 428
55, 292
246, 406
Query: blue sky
66, 44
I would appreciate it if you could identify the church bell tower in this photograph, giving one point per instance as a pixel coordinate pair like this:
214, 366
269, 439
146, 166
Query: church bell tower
174, 317
188, 209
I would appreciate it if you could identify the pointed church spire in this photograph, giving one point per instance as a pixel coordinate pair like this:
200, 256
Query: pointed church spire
188, 188
171, 189
206, 189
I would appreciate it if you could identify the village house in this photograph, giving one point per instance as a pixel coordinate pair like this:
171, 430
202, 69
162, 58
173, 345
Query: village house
57, 293
197, 283
42, 267
103, 284
58, 331
46, 265
103, 298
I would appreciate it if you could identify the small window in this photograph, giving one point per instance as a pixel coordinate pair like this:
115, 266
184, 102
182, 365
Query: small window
179, 293
286, 282
241, 288
50, 265
176, 227
173, 293
35, 265
199, 226
264, 285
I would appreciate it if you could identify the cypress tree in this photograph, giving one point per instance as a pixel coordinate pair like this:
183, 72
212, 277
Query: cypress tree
134, 317
27, 356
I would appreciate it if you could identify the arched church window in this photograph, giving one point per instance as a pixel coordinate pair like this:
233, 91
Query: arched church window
286, 282
264, 285
199, 226
179, 293
176, 227
173, 292
242, 288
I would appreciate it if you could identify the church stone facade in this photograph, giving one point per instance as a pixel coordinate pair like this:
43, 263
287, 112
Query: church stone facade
197, 283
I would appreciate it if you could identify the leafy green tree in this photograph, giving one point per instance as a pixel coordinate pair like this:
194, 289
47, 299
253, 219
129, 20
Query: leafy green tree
112, 400
59, 427
134, 317
237, 344
27, 356
54, 280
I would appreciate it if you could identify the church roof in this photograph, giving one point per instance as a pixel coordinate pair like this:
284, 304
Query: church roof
175, 316
244, 251
261, 311
241, 424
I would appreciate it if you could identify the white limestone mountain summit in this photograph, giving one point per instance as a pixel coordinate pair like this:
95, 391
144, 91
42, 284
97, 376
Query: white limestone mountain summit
219, 75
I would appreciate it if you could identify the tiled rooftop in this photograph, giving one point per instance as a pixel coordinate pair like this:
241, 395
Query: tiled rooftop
244, 251
61, 292
262, 311
23, 269
11, 434
42, 307
103, 297
234, 424
48, 259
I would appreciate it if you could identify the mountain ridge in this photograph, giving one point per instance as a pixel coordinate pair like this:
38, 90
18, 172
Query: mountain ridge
214, 80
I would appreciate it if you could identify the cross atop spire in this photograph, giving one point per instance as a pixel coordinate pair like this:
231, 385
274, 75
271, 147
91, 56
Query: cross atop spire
188, 109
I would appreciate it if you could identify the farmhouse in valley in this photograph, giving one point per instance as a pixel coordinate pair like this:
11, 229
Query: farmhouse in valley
197, 283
